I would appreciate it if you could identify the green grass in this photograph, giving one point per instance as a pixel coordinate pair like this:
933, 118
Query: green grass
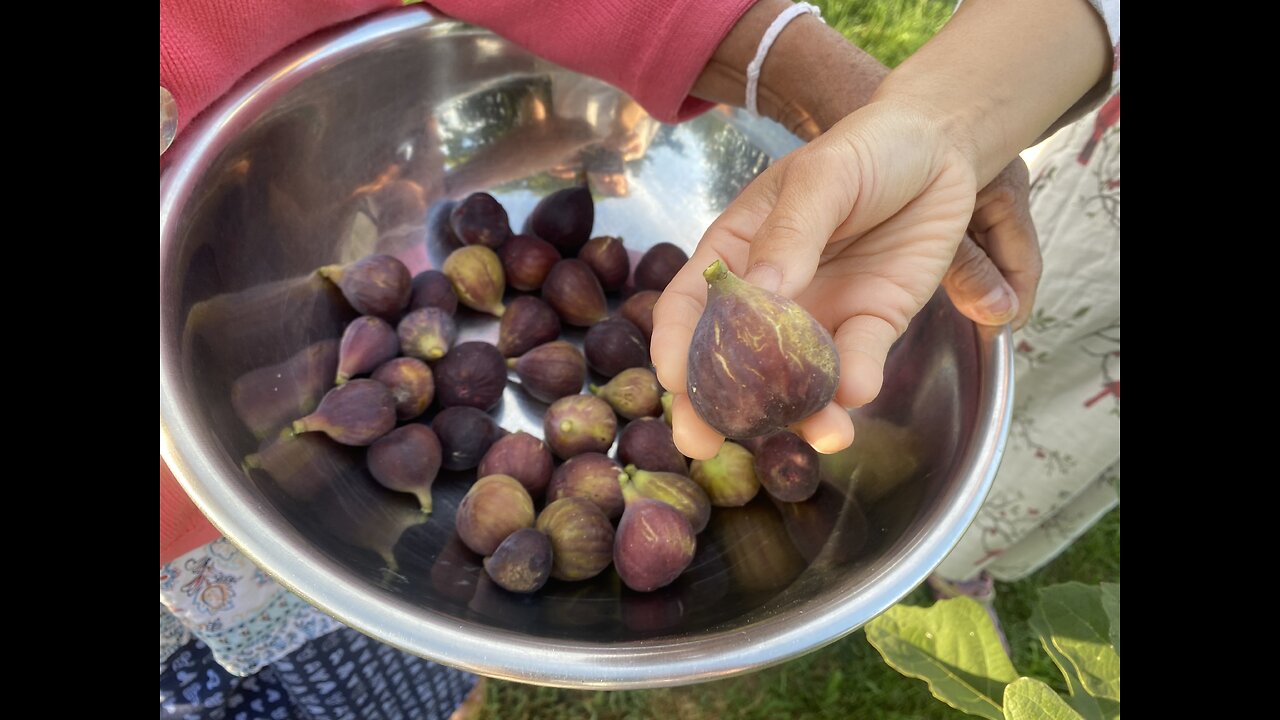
888, 29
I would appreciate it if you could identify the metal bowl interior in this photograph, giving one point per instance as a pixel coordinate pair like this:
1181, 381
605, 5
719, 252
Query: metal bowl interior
356, 141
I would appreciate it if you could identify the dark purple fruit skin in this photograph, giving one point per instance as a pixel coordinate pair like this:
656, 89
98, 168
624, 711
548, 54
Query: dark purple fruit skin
551, 371
522, 562
526, 261
658, 266
787, 466
472, 374
480, 220
633, 393
581, 538
639, 310
375, 285
427, 333
494, 507
465, 435
366, 343
574, 292
305, 466
654, 544
269, 398
407, 459
439, 230
523, 457
647, 444
593, 476
432, 288
564, 219
527, 323
614, 345
411, 383
353, 414
676, 490
608, 259
579, 424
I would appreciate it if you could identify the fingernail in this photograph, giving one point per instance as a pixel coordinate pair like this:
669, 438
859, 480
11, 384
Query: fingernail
764, 276
998, 303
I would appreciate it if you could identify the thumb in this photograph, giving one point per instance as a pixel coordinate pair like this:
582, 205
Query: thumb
976, 287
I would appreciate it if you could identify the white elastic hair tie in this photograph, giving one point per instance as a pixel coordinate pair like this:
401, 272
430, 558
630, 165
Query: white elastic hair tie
766, 42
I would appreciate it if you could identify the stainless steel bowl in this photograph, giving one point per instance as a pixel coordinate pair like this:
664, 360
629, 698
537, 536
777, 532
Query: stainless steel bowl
355, 141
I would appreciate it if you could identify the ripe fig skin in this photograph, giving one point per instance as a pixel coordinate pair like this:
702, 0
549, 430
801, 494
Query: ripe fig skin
564, 218
581, 538
523, 457
653, 546
495, 507
551, 371
613, 345
375, 285
647, 443
522, 562
729, 478
608, 259
472, 374
579, 424
356, 413
527, 323
305, 466
427, 333
787, 466
432, 288
527, 260
480, 220
658, 265
673, 489
411, 384
633, 393
593, 476
465, 435
407, 459
270, 398
477, 277
367, 343
758, 362
573, 291
639, 310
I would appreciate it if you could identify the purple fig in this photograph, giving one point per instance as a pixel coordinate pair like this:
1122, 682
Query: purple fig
639, 310
760, 554
494, 507
427, 333
608, 259
270, 398
523, 457
522, 562
581, 538
829, 524
564, 219
654, 544
647, 444
366, 343
614, 345
411, 384
526, 261
528, 323
729, 478
667, 401
658, 266
633, 393
593, 476
354, 414
477, 277
574, 292
758, 361
465, 435
579, 424
439, 229
304, 466
673, 489
407, 459
551, 371
376, 285
432, 288
480, 220
473, 374
787, 466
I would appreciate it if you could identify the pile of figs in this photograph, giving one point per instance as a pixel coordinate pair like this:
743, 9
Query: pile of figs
399, 393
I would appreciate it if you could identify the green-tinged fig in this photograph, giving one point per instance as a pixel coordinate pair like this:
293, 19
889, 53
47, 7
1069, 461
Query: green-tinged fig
432, 288
613, 345
675, 490
527, 323
304, 466
465, 435
472, 374
376, 285
758, 361
658, 266
667, 400
354, 414
522, 562
581, 538
477, 277
366, 343
654, 543
729, 478
494, 507
756, 546
575, 293
639, 310
270, 398
828, 527
411, 384
786, 466
593, 476
647, 444
527, 261
480, 220
427, 333
633, 393
578, 424
407, 459
523, 457
608, 259
564, 219
551, 371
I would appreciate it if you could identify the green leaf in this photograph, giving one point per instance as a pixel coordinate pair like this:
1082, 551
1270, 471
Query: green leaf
1029, 699
1080, 699
1080, 629
1111, 606
952, 646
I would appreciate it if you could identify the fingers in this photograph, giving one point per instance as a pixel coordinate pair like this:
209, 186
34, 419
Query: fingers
829, 430
863, 342
977, 288
1004, 229
693, 437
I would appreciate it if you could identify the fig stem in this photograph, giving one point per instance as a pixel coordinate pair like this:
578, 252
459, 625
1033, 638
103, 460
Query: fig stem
511, 363
332, 273
715, 271
424, 499
341, 379
594, 388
